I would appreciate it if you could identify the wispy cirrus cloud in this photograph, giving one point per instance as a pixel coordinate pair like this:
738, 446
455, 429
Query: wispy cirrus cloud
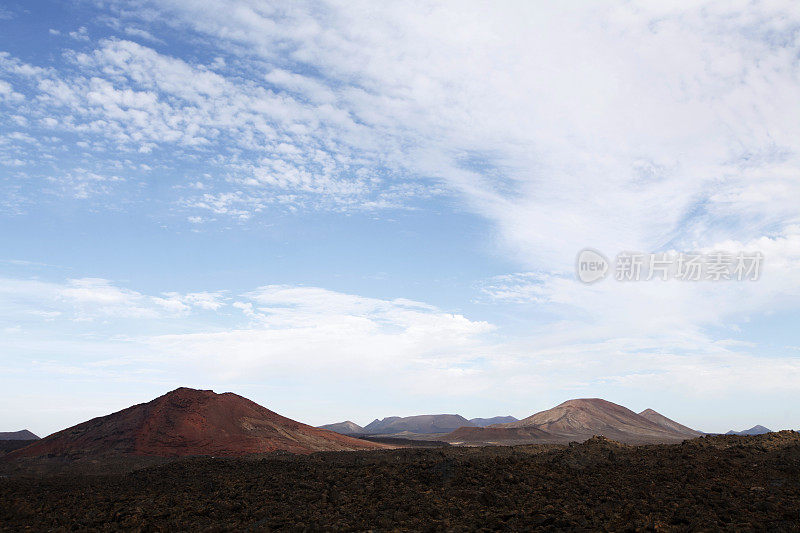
510, 108
261, 146
684, 135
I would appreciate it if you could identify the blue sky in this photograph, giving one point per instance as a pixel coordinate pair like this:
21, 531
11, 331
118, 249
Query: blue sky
351, 211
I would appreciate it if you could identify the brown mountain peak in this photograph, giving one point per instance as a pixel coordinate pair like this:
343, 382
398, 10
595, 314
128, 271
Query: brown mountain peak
191, 422
581, 418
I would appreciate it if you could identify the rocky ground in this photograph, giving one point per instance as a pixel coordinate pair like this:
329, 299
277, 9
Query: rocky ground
712, 483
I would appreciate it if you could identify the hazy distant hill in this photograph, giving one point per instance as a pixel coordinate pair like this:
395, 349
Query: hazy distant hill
345, 428
421, 424
755, 430
23, 434
483, 422
417, 424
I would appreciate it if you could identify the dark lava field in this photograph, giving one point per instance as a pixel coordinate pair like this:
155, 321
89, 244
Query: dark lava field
712, 483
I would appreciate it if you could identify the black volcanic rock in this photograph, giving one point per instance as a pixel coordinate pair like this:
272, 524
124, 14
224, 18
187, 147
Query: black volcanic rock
725, 483
417, 424
23, 434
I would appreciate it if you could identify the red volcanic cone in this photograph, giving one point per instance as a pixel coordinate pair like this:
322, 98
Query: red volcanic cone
191, 422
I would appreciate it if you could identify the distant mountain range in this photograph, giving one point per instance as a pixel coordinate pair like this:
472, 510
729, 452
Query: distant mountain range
573, 420
755, 430
23, 434
420, 424
190, 422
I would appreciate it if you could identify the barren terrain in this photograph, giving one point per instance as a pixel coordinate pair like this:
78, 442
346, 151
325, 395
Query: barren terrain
723, 482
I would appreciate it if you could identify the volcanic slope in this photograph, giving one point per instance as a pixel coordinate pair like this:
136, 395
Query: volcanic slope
663, 421
582, 418
190, 422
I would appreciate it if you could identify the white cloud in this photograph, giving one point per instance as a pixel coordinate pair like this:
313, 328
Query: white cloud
211, 301
296, 329
142, 34
97, 299
628, 127
409, 355
7, 92
138, 99
618, 127
81, 34
674, 336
